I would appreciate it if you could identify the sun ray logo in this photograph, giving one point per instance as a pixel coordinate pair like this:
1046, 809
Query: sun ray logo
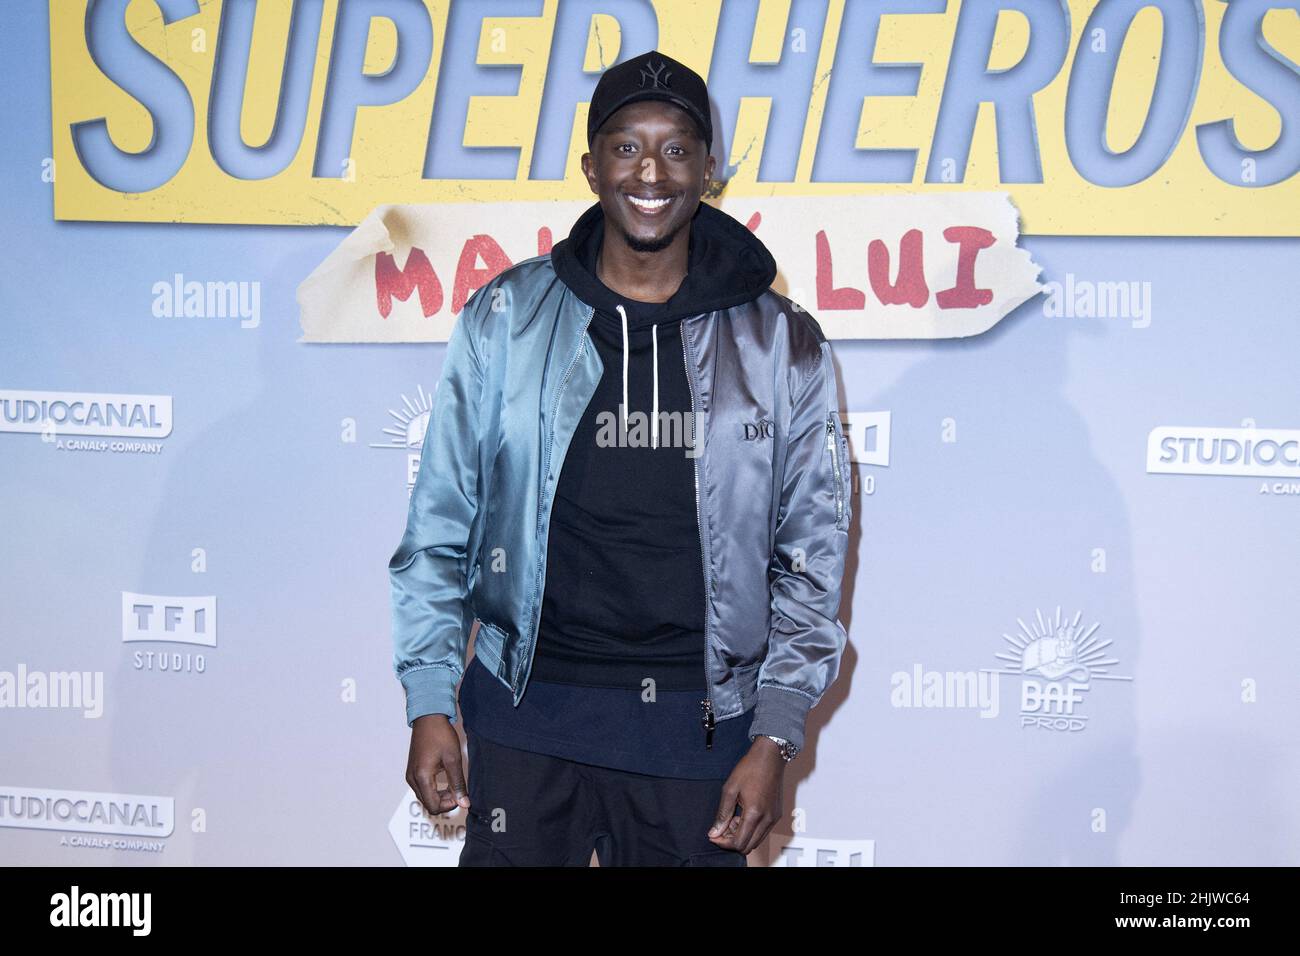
406, 431
409, 423
1057, 662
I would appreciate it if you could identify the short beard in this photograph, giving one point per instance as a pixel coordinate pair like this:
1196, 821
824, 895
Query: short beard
649, 245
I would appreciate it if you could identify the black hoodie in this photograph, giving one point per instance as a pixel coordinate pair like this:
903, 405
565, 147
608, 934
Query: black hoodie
624, 595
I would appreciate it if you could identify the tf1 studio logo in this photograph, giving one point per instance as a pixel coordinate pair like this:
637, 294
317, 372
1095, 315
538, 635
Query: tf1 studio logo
1057, 661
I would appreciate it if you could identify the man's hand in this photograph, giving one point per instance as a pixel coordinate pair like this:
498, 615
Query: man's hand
435, 746
755, 784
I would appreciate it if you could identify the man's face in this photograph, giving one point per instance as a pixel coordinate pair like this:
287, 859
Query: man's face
647, 152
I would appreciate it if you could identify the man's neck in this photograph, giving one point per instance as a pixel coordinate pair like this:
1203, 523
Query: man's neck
643, 276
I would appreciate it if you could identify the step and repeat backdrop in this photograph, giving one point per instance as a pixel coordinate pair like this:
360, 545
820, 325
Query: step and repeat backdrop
1053, 242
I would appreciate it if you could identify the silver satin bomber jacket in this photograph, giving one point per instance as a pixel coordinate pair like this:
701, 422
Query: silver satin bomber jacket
773, 512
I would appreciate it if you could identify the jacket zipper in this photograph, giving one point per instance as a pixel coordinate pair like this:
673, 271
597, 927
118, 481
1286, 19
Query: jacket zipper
833, 445
707, 719
555, 407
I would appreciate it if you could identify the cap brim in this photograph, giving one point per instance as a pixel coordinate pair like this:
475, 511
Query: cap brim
664, 96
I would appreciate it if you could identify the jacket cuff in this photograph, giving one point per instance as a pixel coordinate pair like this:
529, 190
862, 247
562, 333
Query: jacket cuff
780, 712
430, 690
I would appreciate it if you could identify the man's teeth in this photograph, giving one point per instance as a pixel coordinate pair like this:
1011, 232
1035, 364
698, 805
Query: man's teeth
649, 203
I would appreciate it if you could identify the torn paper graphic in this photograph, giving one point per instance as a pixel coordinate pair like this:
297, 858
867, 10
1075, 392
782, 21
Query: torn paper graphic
866, 267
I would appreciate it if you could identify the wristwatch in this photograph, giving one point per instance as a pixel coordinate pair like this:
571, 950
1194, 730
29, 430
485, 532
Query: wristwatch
788, 750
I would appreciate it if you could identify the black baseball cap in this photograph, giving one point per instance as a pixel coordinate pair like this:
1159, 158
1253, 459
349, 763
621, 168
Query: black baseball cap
650, 76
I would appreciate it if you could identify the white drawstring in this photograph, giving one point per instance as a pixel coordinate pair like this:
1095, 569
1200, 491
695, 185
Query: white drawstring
623, 407
654, 422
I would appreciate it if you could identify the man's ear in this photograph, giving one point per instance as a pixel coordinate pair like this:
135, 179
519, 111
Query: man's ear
589, 171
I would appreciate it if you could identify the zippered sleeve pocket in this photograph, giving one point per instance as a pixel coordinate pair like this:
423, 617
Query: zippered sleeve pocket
838, 446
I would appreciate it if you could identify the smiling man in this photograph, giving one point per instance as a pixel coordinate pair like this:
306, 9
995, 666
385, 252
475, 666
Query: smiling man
634, 480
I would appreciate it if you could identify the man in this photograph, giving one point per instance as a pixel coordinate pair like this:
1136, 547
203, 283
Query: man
634, 480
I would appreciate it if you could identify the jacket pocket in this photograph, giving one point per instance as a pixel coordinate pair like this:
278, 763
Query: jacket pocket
744, 670
498, 632
490, 645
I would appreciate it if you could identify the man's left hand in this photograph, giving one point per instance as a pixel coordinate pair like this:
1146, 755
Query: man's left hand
755, 784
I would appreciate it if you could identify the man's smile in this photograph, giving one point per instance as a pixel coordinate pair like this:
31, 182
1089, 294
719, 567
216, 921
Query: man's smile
650, 206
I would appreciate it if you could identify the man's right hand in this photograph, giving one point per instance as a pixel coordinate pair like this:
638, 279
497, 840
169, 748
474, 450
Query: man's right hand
435, 746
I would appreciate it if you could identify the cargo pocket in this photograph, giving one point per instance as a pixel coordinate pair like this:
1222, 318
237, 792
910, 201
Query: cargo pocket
481, 851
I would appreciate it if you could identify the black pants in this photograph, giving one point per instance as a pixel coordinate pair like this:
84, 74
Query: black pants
529, 809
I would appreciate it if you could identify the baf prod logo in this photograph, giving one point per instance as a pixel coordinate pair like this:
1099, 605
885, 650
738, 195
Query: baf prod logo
407, 430
1057, 662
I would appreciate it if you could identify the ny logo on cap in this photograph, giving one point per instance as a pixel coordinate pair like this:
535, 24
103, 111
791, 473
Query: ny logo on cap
662, 68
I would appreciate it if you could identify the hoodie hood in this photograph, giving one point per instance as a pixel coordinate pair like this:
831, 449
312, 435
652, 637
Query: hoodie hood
727, 265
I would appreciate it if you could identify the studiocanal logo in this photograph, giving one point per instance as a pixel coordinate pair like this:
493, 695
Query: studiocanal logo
91, 819
89, 421
1269, 454
1057, 662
